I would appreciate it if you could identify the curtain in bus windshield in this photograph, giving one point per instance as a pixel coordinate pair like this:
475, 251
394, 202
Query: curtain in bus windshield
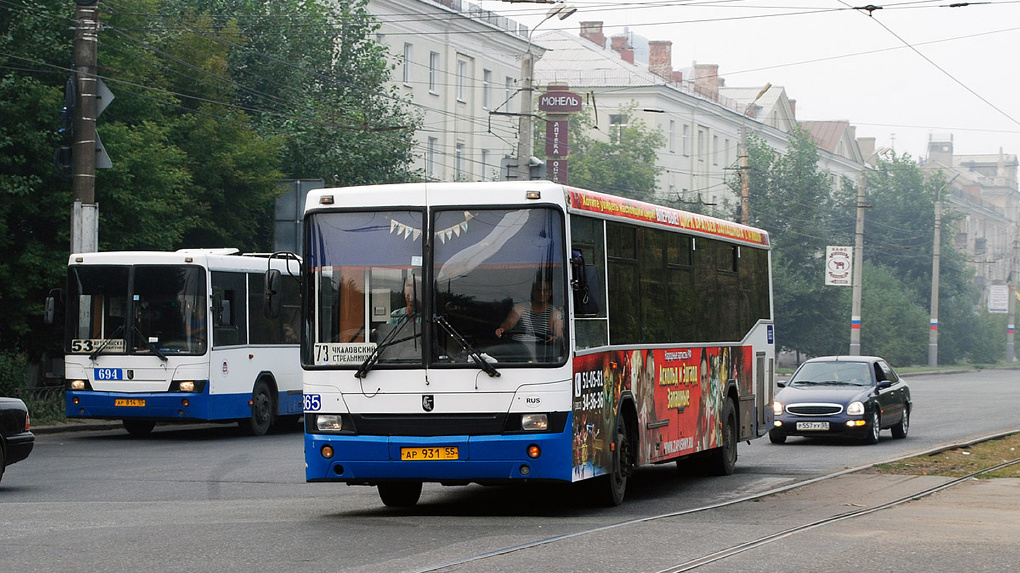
117, 309
499, 282
366, 275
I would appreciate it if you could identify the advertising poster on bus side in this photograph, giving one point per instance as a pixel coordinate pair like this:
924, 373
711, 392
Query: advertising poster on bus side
678, 393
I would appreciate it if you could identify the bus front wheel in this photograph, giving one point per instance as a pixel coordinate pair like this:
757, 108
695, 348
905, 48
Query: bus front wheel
400, 494
263, 410
139, 428
615, 484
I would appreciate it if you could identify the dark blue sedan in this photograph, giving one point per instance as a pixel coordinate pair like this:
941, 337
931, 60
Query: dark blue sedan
16, 440
852, 397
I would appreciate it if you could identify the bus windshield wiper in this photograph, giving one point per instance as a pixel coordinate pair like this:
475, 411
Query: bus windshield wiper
385, 343
106, 342
150, 345
474, 354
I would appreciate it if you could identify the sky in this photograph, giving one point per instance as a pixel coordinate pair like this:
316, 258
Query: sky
905, 72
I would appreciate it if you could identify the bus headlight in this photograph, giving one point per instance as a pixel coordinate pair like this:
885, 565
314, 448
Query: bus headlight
329, 423
535, 422
187, 386
77, 384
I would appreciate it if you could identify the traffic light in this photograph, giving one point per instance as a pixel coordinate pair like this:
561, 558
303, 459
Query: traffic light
62, 162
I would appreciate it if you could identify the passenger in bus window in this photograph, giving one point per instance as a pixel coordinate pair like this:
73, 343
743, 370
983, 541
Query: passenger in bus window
534, 321
410, 307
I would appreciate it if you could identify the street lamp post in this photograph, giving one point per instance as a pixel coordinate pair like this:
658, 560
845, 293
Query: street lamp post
563, 11
745, 203
936, 250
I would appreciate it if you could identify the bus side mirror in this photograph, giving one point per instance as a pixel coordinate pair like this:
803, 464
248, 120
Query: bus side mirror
271, 299
586, 286
53, 310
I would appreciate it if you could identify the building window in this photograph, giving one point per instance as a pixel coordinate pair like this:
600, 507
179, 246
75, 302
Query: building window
487, 89
509, 91
462, 70
407, 64
726, 152
485, 165
701, 144
715, 150
433, 72
672, 136
459, 162
618, 122
430, 157
685, 142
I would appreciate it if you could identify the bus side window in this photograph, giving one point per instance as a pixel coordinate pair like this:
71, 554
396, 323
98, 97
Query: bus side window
586, 285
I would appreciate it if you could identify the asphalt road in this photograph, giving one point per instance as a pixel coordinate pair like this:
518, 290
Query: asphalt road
206, 498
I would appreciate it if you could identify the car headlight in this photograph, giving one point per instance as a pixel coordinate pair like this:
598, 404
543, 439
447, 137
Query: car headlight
855, 408
777, 408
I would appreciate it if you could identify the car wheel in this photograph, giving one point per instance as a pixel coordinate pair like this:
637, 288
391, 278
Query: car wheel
723, 459
139, 428
400, 493
263, 408
874, 427
900, 430
777, 438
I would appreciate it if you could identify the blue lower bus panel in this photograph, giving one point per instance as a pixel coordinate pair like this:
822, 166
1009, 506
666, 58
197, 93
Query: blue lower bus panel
366, 459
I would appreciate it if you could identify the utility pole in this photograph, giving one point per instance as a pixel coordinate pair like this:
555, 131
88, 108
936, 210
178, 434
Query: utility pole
1011, 322
85, 213
858, 275
562, 11
936, 250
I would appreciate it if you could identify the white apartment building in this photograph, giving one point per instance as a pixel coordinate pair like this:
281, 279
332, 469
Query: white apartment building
704, 121
459, 66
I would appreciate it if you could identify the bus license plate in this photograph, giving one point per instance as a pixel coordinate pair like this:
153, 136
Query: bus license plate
130, 402
813, 426
108, 373
428, 454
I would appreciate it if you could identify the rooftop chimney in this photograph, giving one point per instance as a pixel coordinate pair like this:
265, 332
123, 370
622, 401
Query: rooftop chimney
706, 80
592, 31
621, 45
660, 58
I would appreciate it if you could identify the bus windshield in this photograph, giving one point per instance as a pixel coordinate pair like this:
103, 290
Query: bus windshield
496, 288
166, 305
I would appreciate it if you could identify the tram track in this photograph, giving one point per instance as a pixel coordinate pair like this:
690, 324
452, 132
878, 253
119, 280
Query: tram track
723, 554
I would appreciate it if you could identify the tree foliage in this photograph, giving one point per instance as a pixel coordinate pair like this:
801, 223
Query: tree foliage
216, 101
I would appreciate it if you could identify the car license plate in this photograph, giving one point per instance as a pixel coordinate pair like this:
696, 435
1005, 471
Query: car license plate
428, 454
108, 373
130, 402
812, 426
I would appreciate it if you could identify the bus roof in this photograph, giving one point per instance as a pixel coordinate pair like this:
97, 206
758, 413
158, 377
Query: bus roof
572, 199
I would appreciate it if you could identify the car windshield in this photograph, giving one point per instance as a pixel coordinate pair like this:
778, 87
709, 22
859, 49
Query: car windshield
832, 373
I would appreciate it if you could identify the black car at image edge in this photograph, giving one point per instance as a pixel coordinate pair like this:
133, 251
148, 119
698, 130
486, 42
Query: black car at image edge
853, 397
16, 439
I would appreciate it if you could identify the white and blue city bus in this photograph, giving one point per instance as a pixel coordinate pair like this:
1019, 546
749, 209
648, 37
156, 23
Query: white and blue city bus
180, 337
512, 331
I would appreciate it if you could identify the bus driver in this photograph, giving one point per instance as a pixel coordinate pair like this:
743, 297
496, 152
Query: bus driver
534, 321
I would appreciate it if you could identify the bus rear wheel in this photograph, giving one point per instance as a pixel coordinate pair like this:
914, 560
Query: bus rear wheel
139, 428
723, 459
400, 493
263, 410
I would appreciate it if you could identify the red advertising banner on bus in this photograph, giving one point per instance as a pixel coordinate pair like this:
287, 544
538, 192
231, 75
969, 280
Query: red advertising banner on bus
599, 203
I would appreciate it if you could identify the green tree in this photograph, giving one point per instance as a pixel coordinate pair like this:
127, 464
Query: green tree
792, 200
216, 101
624, 165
